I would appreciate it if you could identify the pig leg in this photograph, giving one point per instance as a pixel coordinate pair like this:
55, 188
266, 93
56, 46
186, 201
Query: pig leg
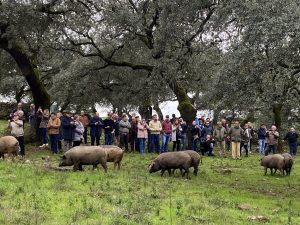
76, 167
95, 166
80, 167
170, 172
195, 171
162, 172
266, 169
119, 165
275, 170
104, 167
271, 171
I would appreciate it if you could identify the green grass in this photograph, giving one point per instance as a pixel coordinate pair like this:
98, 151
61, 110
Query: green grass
32, 193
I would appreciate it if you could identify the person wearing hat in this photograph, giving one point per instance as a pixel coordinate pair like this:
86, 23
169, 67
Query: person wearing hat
67, 125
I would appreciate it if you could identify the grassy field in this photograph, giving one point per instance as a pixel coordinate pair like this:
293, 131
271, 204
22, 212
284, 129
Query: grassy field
32, 191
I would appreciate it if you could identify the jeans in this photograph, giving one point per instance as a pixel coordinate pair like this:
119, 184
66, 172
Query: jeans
97, 137
166, 139
44, 135
261, 146
183, 139
293, 148
54, 142
108, 139
142, 142
154, 138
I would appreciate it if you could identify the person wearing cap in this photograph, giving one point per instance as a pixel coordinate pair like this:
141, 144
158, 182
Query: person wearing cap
155, 129
68, 125
17, 130
167, 130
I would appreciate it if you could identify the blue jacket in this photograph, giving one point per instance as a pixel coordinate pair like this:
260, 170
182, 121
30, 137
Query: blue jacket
261, 133
67, 128
96, 129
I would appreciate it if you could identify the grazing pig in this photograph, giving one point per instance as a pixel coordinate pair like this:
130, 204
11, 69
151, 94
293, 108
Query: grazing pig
84, 155
288, 163
8, 144
114, 154
171, 160
275, 161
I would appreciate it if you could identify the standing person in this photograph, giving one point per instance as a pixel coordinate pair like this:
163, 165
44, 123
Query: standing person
133, 132
235, 133
292, 137
117, 129
273, 136
17, 130
32, 122
124, 127
206, 138
108, 125
142, 135
245, 138
227, 137
53, 130
21, 112
261, 134
67, 125
60, 137
167, 130
155, 129
85, 120
195, 135
96, 129
77, 131
173, 118
251, 132
176, 131
44, 115
219, 136
183, 133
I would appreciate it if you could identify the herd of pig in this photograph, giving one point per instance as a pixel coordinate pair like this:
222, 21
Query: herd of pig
169, 161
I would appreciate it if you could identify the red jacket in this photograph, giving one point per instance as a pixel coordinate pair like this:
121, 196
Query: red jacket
167, 127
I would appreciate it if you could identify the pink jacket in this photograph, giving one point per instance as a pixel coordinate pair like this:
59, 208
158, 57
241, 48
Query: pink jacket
142, 130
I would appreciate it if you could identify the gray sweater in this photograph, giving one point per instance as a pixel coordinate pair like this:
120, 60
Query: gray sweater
124, 127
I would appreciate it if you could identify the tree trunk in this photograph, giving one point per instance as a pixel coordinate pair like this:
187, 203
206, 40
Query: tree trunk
158, 110
186, 108
145, 111
28, 68
277, 110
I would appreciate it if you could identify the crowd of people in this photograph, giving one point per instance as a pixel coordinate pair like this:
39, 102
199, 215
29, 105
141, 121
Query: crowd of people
66, 130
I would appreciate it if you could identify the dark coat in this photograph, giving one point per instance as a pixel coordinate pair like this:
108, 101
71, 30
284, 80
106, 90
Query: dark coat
67, 128
96, 129
261, 133
291, 137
